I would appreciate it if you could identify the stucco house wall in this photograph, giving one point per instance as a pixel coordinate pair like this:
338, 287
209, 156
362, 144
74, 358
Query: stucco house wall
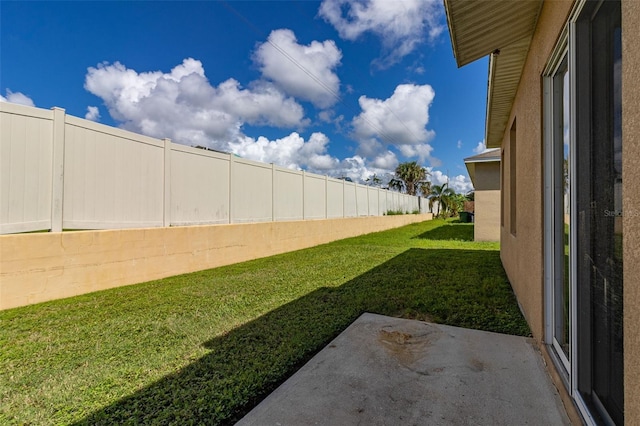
487, 202
631, 205
531, 47
522, 251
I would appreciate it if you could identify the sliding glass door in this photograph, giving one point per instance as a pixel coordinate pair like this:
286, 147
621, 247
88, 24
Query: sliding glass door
583, 210
599, 209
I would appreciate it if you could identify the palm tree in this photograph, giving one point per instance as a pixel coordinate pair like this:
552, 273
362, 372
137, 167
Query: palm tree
396, 184
374, 180
455, 203
412, 174
425, 188
442, 195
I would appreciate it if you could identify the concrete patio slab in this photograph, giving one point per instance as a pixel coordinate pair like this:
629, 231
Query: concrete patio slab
391, 371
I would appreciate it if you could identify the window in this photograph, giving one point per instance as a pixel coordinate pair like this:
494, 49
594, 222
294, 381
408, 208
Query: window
503, 209
558, 217
512, 178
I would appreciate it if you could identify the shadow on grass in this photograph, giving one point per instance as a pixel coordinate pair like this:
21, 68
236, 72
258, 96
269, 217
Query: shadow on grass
465, 288
450, 231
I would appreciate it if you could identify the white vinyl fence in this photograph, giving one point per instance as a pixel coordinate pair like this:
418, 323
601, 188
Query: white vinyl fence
62, 172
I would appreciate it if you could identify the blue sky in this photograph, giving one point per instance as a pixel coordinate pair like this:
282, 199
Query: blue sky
338, 87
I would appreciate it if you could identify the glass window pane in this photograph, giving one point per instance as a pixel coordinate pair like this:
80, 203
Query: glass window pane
562, 211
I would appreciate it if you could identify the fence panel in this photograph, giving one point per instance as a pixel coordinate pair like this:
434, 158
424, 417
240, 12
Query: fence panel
26, 151
413, 204
288, 201
396, 205
403, 202
113, 178
362, 201
383, 204
350, 200
199, 186
251, 191
372, 196
335, 198
59, 171
315, 196
406, 205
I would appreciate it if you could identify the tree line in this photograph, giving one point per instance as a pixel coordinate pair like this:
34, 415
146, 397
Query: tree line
413, 179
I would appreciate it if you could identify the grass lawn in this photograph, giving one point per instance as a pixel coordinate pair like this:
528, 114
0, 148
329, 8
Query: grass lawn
204, 348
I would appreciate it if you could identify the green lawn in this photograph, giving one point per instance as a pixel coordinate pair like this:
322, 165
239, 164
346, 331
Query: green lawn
204, 348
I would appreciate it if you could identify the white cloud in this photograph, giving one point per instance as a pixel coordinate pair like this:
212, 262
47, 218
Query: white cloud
182, 105
291, 151
93, 113
386, 161
400, 120
401, 25
422, 152
370, 147
17, 98
460, 183
459, 144
306, 72
354, 167
329, 116
480, 148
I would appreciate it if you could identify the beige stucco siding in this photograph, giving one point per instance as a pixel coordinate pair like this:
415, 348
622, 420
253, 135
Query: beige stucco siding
523, 253
487, 201
487, 175
631, 205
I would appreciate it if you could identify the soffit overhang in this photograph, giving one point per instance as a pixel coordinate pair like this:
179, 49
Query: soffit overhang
502, 29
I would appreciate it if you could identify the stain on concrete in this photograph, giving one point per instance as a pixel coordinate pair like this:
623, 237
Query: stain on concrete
406, 346
476, 365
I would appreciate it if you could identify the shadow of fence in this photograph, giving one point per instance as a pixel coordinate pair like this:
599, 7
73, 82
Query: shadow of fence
450, 231
466, 288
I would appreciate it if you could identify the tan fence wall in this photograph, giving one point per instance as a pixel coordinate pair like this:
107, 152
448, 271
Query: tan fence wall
46, 266
62, 172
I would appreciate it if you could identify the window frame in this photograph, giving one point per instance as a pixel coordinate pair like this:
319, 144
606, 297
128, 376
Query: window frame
559, 59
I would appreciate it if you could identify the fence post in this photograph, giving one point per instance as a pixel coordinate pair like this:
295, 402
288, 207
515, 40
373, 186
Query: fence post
167, 183
231, 209
304, 182
344, 196
326, 197
57, 181
355, 188
368, 203
273, 192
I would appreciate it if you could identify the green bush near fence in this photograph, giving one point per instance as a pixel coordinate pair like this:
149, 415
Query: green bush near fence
204, 348
400, 212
